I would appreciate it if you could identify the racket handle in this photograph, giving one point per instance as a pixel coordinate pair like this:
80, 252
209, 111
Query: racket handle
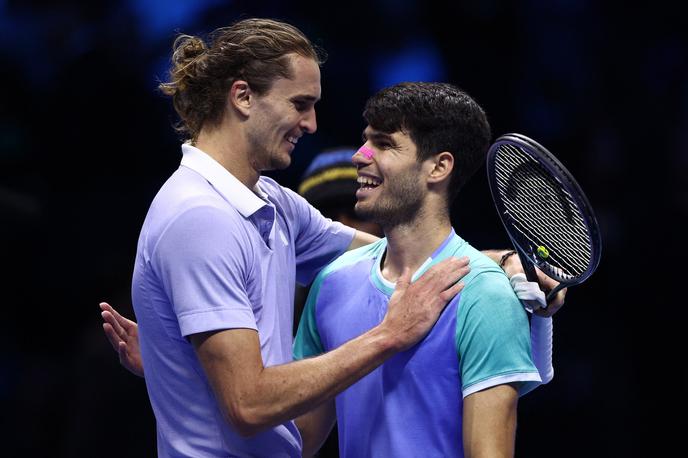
528, 267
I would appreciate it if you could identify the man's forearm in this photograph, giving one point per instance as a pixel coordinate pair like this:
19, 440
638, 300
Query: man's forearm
495, 255
361, 239
292, 389
254, 397
258, 398
315, 426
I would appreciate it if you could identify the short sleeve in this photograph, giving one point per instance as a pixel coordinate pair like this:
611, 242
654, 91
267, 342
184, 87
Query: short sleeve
318, 240
203, 266
307, 342
492, 336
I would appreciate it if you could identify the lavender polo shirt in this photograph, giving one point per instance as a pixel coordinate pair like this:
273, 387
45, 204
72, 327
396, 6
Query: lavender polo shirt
213, 254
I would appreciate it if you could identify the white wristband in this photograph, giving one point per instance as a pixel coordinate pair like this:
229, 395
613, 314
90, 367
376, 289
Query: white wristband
528, 292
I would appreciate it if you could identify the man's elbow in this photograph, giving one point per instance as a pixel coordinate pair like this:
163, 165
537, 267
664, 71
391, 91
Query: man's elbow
246, 421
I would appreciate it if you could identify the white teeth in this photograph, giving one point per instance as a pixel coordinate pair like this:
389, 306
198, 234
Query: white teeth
368, 181
293, 140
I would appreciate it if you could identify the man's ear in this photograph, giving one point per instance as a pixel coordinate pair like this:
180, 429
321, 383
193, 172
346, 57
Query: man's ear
442, 165
241, 97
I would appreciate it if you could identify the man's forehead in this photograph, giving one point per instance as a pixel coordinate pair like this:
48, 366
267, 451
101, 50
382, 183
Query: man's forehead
305, 80
297, 87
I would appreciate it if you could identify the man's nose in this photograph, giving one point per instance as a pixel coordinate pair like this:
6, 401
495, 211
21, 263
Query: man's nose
363, 156
309, 123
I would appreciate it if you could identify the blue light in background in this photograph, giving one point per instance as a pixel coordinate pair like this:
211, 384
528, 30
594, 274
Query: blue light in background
158, 17
417, 61
157, 22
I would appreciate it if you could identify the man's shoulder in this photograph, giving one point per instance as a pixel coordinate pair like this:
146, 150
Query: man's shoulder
486, 282
186, 190
345, 264
275, 190
188, 204
288, 203
482, 266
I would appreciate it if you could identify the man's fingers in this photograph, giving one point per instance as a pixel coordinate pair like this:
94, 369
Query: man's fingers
553, 306
558, 300
448, 271
112, 321
442, 280
112, 336
123, 352
404, 279
116, 314
448, 294
110, 315
105, 307
548, 312
561, 295
126, 324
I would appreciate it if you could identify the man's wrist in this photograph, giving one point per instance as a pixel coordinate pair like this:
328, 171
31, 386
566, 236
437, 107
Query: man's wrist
505, 257
510, 263
386, 341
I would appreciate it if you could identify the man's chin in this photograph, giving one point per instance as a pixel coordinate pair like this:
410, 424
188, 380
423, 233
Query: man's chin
364, 214
280, 163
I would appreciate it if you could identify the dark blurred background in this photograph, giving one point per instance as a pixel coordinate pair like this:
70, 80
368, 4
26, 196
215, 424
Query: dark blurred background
85, 143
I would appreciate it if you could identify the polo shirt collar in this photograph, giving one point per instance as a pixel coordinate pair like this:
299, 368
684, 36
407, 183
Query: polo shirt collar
245, 200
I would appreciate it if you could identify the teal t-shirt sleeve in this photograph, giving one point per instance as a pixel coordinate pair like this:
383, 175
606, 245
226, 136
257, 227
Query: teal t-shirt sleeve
493, 336
307, 342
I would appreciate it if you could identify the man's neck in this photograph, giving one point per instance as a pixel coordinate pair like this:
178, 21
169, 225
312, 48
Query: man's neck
410, 245
230, 149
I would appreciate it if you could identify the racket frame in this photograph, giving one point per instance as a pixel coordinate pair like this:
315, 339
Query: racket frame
556, 169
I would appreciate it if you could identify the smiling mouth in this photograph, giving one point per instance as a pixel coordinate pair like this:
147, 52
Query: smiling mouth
367, 182
293, 140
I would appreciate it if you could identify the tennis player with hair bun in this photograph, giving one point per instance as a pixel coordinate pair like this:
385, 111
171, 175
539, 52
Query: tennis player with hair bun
222, 247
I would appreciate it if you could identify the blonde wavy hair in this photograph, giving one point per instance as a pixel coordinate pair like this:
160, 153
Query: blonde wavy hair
253, 50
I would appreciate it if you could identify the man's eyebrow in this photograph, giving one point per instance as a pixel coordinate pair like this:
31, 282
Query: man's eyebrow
306, 98
376, 136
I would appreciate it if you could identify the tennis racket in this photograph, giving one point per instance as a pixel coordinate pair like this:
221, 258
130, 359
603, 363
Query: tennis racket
544, 211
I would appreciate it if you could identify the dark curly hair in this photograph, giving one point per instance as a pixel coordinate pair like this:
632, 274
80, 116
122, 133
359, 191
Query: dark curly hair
438, 117
253, 50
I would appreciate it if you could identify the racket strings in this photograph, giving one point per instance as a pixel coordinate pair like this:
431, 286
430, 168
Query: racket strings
550, 208
544, 213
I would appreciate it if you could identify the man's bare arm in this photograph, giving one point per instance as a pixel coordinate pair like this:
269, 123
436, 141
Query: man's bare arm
361, 239
315, 426
489, 422
254, 397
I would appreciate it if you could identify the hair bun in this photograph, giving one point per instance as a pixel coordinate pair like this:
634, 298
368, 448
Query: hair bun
191, 47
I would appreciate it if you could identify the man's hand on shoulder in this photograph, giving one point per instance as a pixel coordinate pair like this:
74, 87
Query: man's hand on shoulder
415, 307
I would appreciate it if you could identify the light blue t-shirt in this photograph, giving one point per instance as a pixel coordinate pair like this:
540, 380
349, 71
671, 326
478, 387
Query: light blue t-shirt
212, 255
412, 404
